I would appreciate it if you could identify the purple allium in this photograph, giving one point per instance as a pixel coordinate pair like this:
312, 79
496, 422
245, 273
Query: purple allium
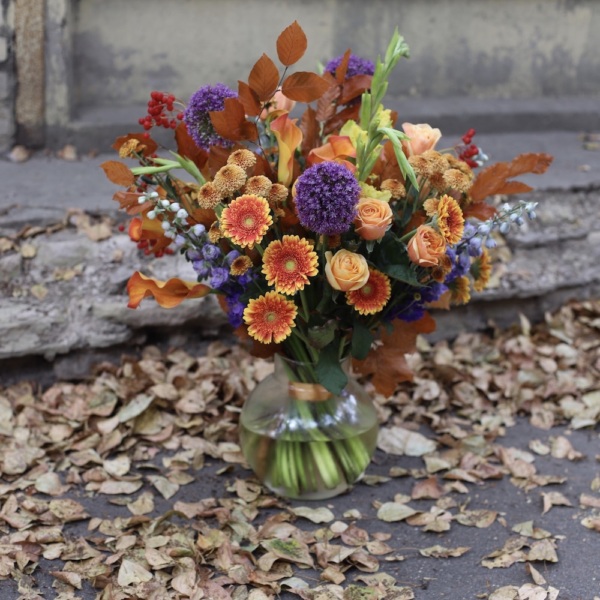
197, 118
356, 66
218, 277
326, 198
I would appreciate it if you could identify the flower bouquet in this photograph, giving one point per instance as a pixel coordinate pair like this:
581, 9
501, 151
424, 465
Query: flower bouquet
326, 232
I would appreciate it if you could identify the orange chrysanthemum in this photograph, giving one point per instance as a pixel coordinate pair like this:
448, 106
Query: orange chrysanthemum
270, 318
240, 265
246, 220
288, 263
450, 219
460, 290
481, 269
373, 296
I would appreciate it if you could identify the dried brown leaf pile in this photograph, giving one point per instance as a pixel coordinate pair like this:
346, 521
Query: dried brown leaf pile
137, 436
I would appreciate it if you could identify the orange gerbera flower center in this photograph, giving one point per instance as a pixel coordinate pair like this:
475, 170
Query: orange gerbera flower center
288, 263
373, 296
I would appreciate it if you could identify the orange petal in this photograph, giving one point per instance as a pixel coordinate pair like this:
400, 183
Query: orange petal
289, 137
168, 294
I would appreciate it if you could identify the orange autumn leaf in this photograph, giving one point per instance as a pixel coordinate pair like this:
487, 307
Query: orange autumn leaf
354, 87
310, 130
340, 72
118, 173
188, 148
291, 44
231, 122
494, 179
167, 294
387, 363
129, 202
304, 86
249, 99
289, 137
263, 78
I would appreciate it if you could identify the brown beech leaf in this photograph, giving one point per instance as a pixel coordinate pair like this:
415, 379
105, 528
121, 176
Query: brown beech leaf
291, 44
118, 173
310, 130
340, 72
494, 179
387, 363
327, 102
304, 86
187, 147
249, 99
148, 145
264, 77
231, 122
354, 87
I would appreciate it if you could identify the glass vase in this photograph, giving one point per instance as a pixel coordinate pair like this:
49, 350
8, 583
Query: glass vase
302, 441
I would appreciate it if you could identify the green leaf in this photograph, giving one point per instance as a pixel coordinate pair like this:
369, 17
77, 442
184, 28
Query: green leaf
325, 299
362, 338
407, 170
329, 370
403, 273
322, 335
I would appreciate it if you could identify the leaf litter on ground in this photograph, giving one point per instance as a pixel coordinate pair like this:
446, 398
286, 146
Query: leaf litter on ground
136, 435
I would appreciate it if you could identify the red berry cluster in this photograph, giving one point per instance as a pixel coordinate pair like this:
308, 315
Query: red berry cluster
160, 112
147, 246
469, 150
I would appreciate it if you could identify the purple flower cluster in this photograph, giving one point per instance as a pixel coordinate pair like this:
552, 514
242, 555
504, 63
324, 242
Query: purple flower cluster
212, 265
326, 198
412, 307
356, 66
197, 118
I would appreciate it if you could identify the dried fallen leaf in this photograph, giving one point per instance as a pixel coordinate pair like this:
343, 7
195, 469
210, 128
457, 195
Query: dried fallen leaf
316, 515
399, 441
443, 552
393, 511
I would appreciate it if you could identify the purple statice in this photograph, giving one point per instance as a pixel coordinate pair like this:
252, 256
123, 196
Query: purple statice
235, 310
356, 66
461, 263
326, 198
197, 115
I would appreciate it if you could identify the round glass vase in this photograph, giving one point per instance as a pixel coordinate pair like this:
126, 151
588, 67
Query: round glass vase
302, 441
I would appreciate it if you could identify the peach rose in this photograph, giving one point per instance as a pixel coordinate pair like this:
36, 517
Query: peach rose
426, 247
373, 218
279, 102
346, 271
423, 137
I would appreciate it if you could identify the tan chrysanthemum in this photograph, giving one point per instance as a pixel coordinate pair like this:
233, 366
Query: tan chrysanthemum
214, 233
461, 165
130, 148
278, 193
229, 179
259, 186
420, 165
208, 196
457, 180
395, 187
242, 158
438, 162
430, 206
240, 265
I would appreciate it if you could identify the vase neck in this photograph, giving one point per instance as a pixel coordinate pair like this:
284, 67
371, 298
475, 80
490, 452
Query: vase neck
301, 380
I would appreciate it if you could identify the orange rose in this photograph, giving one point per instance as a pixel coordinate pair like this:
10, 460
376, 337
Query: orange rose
346, 271
426, 247
373, 218
423, 137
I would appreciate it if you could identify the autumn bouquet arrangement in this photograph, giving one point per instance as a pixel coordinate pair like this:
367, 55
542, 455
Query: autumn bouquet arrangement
326, 231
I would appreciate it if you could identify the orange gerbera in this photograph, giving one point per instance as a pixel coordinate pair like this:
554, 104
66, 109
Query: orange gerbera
460, 290
246, 220
481, 269
240, 265
288, 263
373, 296
270, 318
450, 219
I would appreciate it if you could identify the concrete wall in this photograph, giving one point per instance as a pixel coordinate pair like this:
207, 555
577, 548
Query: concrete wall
102, 57
7, 124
